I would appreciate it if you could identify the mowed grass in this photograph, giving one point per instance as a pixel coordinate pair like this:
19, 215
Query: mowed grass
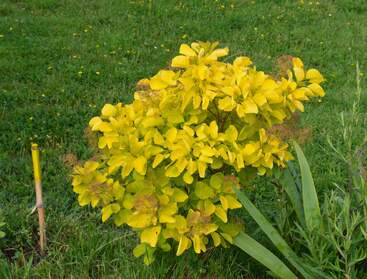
60, 61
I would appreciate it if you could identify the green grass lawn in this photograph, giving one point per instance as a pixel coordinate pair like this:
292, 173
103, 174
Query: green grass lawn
60, 61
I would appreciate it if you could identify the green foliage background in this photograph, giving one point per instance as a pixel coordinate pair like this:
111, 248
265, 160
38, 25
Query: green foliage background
60, 61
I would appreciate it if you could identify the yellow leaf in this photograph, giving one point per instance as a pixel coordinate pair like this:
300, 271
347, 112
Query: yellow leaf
223, 202
202, 71
139, 220
164, 218
91, 166
109, 110
142, 83
220, 52
158, 139
128, 201
232, 202
205, 102
186, 100
299, 105
216, 239
259, 99
239, 161
221, 213
250, 148
157, 160
198, 244
240, 109
168, 77
150, 235
156, 83
249, 106
206, 207
166, 213
207, 151
118, 190
259, 79
94, 201
179, 195
231, 229
299, 73
108, 140
168, 190
227, 237
187, 50
188, 83
163, 199
191, 167
108, 210
94, 122
269, 85
139, 250
171, 134
230, 91
297, 62
317, 89
278, 114
140, 165
152, 121
209, 228
180, 61
201, 168
217, 163
213, 129
231, 133
84, 199
97, 124
188, 178
261, 171
196, 101
127, 168
242, 62
189, 131
216, 180
181, 224
172, 171
300, 94
314, 76
181, 164
203, 191
183, 245
152, 150
226, 104
162, 80
122, 217
262, 136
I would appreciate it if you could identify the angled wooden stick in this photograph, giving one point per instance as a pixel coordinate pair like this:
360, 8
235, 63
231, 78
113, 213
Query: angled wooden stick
39, 202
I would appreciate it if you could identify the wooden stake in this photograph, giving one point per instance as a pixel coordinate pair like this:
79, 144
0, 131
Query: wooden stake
39, 202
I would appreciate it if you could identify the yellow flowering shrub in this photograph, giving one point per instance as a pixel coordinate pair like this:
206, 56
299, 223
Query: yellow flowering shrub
166, 162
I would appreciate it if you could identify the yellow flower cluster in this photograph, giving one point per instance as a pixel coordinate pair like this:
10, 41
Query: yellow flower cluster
167, 161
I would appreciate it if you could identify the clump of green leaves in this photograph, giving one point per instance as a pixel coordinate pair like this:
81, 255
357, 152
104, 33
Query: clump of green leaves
331, 238
323, 242
339, 246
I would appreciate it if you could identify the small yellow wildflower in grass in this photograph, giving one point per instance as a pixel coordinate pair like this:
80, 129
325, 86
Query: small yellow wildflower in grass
167, 161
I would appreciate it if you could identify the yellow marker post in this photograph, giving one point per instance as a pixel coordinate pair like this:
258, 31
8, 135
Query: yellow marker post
39, 202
